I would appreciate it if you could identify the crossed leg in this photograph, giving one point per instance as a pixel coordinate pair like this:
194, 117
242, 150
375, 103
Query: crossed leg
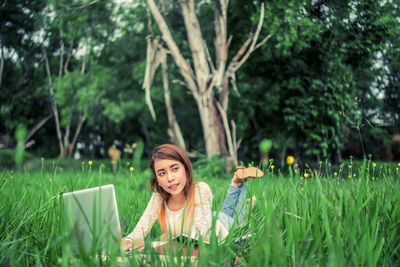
235, 200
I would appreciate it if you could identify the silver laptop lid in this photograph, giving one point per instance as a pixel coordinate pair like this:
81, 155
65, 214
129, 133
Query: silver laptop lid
92, 220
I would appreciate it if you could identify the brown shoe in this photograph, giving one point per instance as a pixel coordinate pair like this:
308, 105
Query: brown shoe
247, 173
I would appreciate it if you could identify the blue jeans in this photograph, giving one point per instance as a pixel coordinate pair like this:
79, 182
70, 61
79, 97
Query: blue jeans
234, 206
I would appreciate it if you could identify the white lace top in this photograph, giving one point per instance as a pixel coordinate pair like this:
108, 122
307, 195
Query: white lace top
201, 221
174, 220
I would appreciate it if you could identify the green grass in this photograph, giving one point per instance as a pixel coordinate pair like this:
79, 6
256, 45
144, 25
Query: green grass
323, 220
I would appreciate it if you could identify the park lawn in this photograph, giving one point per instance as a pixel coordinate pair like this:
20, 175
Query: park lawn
324, 219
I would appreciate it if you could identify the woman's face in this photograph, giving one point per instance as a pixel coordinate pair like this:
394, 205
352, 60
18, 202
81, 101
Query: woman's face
170, 175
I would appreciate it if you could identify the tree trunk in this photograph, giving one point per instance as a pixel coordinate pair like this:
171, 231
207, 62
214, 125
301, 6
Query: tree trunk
219, 129
66, 139
1, 65
54, 104
82, 118
77, 132
213, 133
282, 156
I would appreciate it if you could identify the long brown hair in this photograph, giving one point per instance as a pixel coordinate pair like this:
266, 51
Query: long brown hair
173, 152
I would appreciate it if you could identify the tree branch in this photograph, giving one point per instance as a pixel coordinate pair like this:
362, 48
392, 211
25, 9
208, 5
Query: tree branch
175, 131
153, 60
241, 57
229, 140
236, 144
37, 126
175, 52
60, 70
254, 41
238, 55
68, 58
81, 6
220, 46
209, 58
263, 41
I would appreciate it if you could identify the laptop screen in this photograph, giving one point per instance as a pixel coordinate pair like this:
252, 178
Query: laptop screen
91, 219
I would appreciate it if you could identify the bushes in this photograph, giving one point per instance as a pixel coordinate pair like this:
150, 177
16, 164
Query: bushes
7, 158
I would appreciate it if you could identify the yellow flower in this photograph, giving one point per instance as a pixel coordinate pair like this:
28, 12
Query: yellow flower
335, 173
397, 169
349, 166
354, 175
305, 175
290, 160
373, 164
398, 164
250, 165
131, 169
90, 162
272, 167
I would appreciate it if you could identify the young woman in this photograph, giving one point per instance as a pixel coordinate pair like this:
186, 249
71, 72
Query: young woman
184, 206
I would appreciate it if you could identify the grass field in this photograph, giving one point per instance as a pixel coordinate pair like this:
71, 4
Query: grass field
325, 219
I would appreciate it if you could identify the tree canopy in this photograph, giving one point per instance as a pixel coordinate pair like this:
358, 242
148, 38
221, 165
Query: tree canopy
325, 66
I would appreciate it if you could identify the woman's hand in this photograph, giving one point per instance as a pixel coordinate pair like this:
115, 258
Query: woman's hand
127, 244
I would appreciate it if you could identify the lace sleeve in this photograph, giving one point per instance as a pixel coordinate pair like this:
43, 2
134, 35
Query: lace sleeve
150, 215
202, 213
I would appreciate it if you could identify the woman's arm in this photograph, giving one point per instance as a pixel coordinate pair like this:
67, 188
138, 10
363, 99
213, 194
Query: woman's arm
202, 213
135, 239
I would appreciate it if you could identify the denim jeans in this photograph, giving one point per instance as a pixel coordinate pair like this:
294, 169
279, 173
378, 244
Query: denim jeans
234, 206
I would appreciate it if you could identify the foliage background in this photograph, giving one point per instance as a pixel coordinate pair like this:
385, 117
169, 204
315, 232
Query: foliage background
324, 57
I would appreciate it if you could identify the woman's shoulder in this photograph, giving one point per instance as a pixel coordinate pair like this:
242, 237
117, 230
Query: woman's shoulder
203, 190
202, 186
155, 198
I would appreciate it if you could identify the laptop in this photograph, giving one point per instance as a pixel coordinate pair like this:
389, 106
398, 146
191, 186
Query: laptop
91, 218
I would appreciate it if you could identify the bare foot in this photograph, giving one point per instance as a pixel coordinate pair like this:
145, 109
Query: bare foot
253, 201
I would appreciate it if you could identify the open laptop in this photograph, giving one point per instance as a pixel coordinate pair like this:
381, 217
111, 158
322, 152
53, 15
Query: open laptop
91, 218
